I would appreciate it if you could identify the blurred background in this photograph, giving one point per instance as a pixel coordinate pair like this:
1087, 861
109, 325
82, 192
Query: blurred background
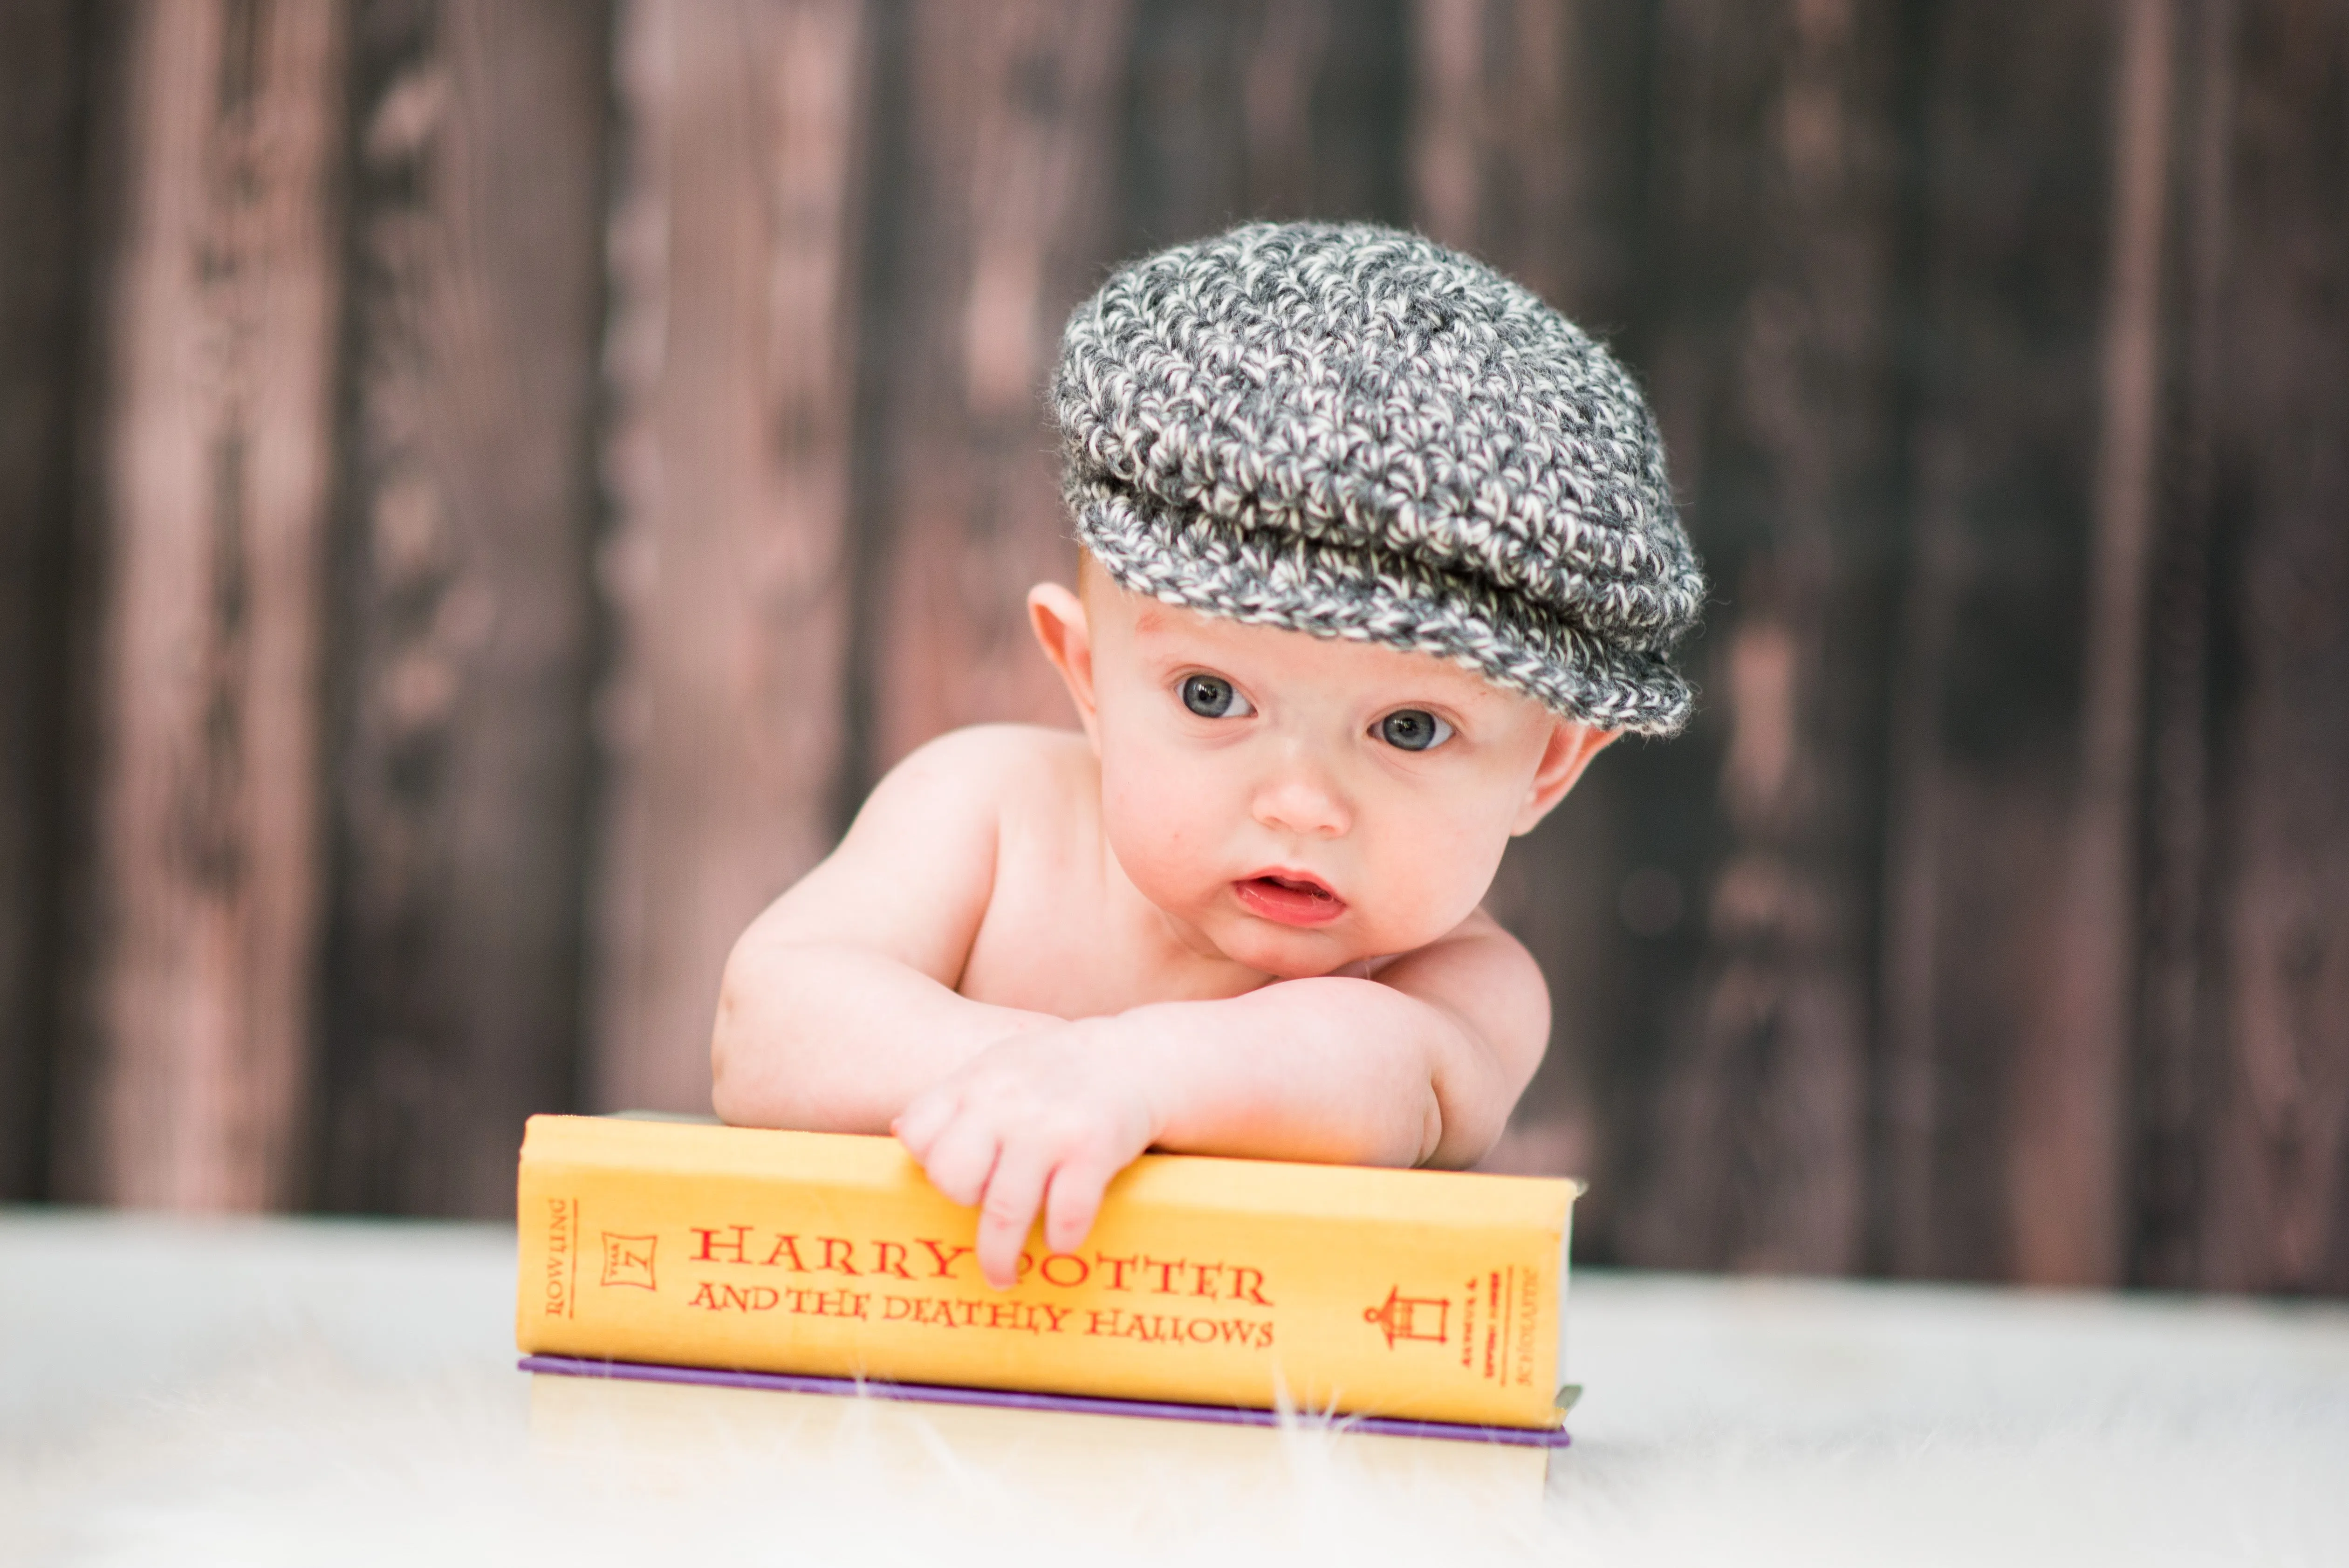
486, 485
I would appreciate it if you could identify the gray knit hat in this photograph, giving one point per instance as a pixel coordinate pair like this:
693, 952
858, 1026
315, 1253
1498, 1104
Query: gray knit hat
1354, 432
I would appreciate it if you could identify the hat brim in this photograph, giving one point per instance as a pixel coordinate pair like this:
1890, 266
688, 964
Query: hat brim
1280, 577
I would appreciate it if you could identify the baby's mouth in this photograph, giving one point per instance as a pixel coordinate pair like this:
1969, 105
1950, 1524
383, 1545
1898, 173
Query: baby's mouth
1289, 898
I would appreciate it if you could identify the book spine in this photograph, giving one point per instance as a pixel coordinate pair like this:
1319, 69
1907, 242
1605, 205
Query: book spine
1437, 1322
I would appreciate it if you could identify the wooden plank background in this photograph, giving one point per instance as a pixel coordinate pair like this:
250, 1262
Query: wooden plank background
183, 1065
486, 485
457, 767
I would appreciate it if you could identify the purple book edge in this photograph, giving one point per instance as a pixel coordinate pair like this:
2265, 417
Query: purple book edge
1013, 1399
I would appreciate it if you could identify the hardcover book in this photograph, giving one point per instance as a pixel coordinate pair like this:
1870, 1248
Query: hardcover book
1424, 1295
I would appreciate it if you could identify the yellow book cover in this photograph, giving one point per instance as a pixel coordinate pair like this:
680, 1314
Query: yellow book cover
1431, 1295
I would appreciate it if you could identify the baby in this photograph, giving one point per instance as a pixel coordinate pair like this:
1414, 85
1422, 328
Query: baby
1377, 554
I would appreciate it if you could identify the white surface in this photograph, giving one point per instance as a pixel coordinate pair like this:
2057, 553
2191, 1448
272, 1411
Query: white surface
306, 1392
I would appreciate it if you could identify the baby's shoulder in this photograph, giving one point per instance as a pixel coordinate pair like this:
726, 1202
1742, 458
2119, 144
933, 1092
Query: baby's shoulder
988, 767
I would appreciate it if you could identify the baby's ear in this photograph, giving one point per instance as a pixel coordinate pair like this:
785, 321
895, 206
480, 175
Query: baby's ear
1059, 619
1572, 745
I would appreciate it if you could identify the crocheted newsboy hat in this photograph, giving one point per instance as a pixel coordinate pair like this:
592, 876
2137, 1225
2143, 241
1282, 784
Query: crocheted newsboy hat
1352, 431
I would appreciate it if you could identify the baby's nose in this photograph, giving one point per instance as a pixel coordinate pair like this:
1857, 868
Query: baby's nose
1301, 798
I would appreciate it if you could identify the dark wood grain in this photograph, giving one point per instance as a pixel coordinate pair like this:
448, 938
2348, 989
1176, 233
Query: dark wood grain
1774, 162
2165, 1174
1526, 145
1260, 108
999, 218
733, 359
42, 76
462, 602
2010, 165
2073, 1080
2273, 1215
189, 1035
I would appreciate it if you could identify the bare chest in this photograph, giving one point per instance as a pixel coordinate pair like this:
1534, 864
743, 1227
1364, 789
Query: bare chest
1062, 935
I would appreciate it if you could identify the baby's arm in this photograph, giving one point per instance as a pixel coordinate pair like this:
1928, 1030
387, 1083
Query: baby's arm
838, 1004
1420, 1066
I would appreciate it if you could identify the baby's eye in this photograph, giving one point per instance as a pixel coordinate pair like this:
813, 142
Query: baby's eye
1413, 730
1213, 697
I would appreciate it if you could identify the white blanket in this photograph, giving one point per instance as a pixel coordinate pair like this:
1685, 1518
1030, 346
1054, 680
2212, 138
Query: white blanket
307, 1393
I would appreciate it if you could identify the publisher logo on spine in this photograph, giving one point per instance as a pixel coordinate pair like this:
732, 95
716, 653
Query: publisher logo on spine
1491, 1325
1402, 1317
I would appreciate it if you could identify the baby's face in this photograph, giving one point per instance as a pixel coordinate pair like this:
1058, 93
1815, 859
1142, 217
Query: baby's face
1296, 803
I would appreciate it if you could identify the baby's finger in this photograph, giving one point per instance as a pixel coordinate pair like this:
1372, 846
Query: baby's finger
1073, 1201
1014, 1192
960, 1160
925, 1117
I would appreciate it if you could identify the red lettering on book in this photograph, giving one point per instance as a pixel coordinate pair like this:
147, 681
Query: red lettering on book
559, 1258
944, 1256
839, 1255
1167, 1269
1508, 1316
1492, 1322
1069, 1260
710, 1245
808, 1302
1247, 1285
893, 1260
787, 1251
1527, 1304
961, 1312
712, 1296
1153, 1328
938, 1312
1117, 1267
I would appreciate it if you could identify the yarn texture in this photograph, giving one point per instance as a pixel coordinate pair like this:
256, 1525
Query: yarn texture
1353, 432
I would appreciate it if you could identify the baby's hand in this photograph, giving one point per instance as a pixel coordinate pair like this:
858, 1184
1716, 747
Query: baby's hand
1037, 1121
